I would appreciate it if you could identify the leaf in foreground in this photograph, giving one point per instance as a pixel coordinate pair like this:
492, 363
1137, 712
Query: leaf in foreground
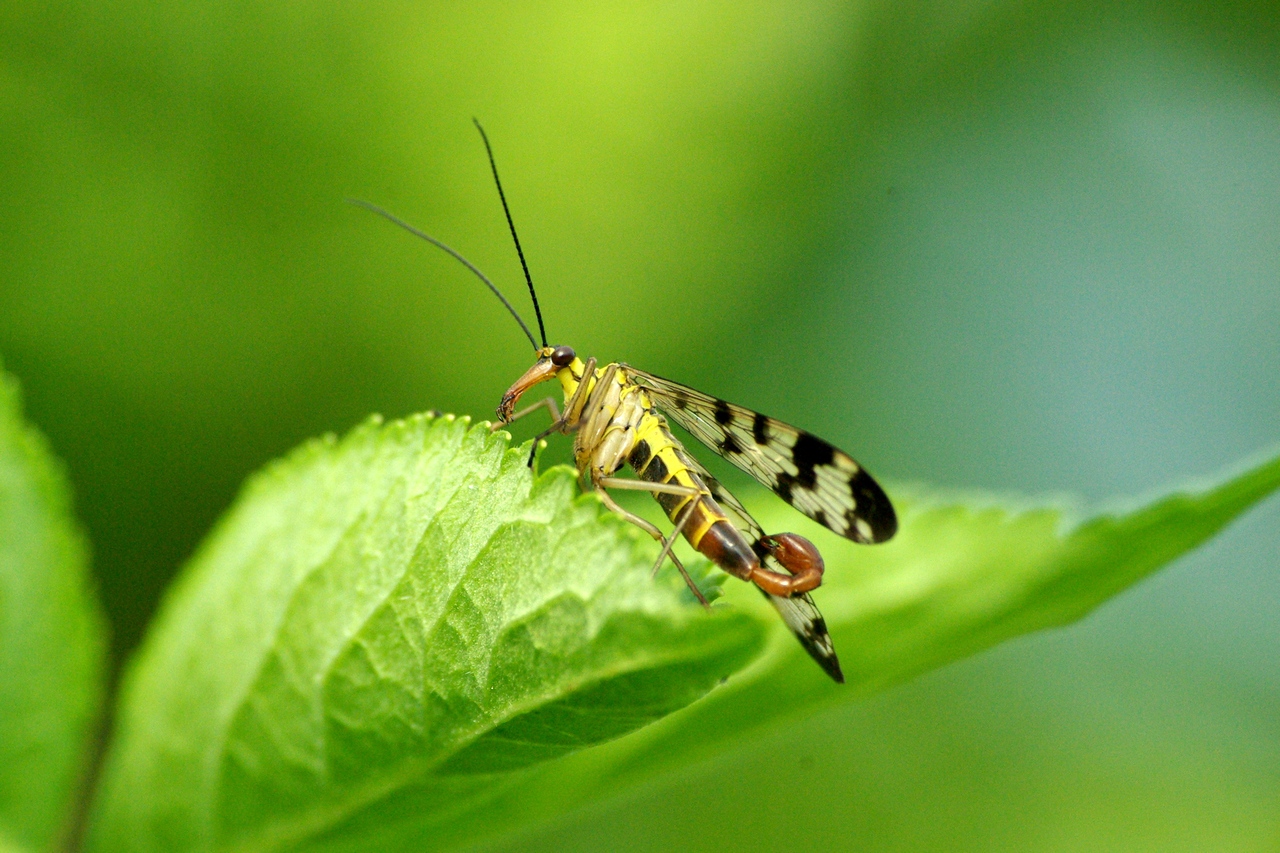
52, 639
404, 612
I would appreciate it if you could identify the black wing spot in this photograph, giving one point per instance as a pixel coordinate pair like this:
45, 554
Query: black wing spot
821, 518
782, 488
872, 505
807, 454
810, 452
760, 429
806, 477
864, 490
851, 517
682, 400
730, 444
724, 417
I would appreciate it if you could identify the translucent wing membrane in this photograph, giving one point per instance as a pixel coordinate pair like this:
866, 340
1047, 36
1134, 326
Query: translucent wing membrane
816, 478
806, 622
799, 612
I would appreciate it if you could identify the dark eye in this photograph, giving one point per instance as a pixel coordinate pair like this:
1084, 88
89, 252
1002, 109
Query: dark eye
562, 356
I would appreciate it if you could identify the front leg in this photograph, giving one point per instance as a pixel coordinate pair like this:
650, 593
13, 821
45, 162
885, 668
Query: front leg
548, 403
573, 407
557, 422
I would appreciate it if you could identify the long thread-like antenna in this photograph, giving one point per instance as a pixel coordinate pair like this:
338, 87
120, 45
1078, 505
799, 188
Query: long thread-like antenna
501, 195
433, 241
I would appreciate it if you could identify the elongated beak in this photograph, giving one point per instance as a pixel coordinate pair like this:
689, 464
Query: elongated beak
541, 371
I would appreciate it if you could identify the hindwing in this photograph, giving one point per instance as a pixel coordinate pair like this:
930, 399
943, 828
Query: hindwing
799, 612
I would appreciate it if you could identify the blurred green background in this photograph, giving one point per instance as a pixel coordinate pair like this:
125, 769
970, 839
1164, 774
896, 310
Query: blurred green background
1028, 247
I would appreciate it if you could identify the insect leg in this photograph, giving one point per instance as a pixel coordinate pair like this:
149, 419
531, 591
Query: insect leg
557, 421
581, 401
548, 403
667, 541
653, 531
671, 540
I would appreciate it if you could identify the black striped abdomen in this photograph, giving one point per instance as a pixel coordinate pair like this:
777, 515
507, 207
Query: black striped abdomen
656, 459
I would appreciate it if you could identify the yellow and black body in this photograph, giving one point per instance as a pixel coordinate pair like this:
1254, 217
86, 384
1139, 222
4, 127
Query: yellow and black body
616, 424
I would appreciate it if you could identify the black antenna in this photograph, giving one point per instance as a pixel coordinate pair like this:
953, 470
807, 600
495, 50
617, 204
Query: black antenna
494, 166
433, 241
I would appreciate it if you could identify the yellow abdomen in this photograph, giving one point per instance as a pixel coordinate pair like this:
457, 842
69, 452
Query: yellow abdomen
658, 458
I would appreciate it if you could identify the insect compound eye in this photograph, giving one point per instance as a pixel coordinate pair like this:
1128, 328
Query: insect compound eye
562, 356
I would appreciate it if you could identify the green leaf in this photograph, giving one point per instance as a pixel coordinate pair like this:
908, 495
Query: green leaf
387, 639
407, 612
52, 639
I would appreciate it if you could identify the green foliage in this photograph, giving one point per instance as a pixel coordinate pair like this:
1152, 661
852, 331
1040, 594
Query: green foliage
51, 638
1025, 246
386, 640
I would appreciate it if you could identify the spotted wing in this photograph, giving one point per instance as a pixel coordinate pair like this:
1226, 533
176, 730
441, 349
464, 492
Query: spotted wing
799, 612
819, 480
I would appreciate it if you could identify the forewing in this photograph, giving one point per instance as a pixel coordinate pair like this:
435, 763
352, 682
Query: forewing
800, 613
743, 521
821, 481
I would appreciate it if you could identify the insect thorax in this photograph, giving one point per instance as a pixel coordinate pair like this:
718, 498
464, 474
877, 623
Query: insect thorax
611, 420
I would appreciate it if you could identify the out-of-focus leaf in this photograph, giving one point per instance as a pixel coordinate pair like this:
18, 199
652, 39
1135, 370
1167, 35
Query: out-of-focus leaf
404, 613
52, 638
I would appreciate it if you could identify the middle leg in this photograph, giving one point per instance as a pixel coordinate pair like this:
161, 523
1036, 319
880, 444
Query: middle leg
668, 541
657, 534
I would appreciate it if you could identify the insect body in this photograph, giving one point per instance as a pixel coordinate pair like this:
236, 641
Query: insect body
618, 415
